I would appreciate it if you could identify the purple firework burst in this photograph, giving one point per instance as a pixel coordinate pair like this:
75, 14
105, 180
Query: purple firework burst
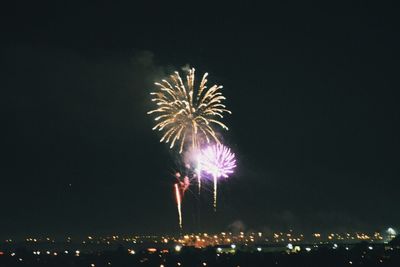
217, 160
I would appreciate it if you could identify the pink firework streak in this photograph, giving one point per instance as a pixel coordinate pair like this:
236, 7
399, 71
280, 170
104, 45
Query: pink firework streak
178, 204
180, 188
219, 161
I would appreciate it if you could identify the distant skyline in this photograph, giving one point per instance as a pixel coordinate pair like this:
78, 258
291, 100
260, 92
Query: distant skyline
315, 123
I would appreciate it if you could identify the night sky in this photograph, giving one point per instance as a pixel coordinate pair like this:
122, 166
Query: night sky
315, 123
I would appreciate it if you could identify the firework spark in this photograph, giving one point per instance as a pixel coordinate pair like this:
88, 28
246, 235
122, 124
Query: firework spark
178, 204
187, 113
185, 184
198, 174
219, 161
180, 188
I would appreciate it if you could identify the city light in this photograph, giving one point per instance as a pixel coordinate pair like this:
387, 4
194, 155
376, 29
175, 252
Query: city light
391, 231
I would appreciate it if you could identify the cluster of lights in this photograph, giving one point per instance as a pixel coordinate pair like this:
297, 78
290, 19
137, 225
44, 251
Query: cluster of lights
204, 239
290, 248
225, 238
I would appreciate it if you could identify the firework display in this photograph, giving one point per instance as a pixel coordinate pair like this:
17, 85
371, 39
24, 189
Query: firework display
219, 161
188, 114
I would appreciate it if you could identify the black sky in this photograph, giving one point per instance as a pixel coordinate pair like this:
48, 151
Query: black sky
315, 124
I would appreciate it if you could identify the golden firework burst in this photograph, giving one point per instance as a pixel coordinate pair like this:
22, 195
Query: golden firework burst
187, 114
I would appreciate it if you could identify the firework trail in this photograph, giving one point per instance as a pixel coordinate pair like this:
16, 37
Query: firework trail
180, 188
219, 161
187, 114
199, 181
198, 174
178, 204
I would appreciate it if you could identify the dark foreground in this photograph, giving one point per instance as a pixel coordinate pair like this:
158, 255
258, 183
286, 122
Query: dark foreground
359, 255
